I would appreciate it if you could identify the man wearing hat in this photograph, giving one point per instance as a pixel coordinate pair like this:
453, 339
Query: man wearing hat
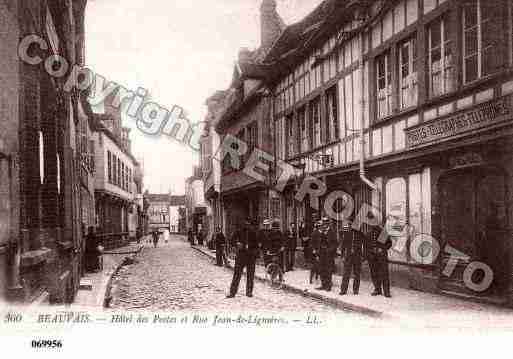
291, 236
376, 247
327, 251
352, 252
277, 243
315, 248
248, 246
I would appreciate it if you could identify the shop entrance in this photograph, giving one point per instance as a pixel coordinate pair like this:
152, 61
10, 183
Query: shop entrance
474, 222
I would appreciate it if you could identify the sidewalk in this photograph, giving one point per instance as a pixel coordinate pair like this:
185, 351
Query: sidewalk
404, 304
95, 286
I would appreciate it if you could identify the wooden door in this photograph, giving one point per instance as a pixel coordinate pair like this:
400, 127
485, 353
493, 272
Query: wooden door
458, 223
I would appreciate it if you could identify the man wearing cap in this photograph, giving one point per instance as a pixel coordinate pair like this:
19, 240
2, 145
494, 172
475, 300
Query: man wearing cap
248, 246
352, 252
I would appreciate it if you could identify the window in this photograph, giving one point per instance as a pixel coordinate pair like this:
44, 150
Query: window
252, 138
481, 38
303, 129
442, 78
5, 200
58, 160
41, 157
384, 85
109, 166
241, 135
408, 85
291, 146
119, 173
315, 122
332, 125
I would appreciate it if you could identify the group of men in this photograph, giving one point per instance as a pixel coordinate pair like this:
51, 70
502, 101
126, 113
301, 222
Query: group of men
355, 248
196, 237
249, 242
320, 248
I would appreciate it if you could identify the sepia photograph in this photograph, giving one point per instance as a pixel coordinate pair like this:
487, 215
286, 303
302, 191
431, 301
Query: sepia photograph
211, 169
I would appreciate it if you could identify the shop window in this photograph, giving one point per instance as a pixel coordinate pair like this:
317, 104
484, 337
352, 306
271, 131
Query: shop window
384, 85
396, 217
303, 129
481, 38
408, 85
332, 125
442, 78
315, 122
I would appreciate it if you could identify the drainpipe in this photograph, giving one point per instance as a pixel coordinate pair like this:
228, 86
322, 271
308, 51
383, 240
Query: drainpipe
363, 175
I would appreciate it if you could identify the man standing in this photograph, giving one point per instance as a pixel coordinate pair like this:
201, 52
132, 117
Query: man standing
190, 236
305, 242
220, 244
377, 246
327, 252
291, 247
352, 251
156, 235
200, 236
248, 248
315, 243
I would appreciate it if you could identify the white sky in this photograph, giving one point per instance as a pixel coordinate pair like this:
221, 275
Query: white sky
182, 51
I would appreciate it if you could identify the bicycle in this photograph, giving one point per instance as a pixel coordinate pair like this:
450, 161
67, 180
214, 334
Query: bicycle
273, 271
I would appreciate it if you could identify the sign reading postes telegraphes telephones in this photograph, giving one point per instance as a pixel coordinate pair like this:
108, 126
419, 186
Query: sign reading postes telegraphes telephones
485, 115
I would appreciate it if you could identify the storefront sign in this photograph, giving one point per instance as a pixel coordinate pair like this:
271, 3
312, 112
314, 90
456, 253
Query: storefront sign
466, 160
481, 116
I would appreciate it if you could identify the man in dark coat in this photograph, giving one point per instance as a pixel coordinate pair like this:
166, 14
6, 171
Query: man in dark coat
190, 236
327, 252
201, 236
315, 243
291, 235
156, 237
352, 252
248, 246
376, 247
305, 242
220, 245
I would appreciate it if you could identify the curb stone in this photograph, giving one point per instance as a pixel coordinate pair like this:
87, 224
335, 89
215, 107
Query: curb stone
107, 297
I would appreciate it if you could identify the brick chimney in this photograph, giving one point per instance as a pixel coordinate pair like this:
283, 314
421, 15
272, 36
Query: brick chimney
271, 24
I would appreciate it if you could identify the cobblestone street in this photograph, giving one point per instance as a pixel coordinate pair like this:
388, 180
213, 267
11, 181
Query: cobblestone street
176, 277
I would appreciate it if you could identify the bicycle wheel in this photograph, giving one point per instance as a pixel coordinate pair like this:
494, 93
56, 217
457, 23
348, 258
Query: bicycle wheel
275, 275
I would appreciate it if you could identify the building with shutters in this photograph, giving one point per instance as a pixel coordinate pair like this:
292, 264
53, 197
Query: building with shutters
405, 107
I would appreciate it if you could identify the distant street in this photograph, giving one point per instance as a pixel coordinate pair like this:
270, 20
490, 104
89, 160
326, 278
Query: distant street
176, 277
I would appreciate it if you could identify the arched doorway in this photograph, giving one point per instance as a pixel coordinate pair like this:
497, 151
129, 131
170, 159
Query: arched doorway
474, 223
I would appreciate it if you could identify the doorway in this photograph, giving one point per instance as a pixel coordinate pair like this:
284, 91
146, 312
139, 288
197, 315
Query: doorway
474, 222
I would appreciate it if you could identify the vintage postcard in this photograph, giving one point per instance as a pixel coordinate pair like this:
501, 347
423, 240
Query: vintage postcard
309, 166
